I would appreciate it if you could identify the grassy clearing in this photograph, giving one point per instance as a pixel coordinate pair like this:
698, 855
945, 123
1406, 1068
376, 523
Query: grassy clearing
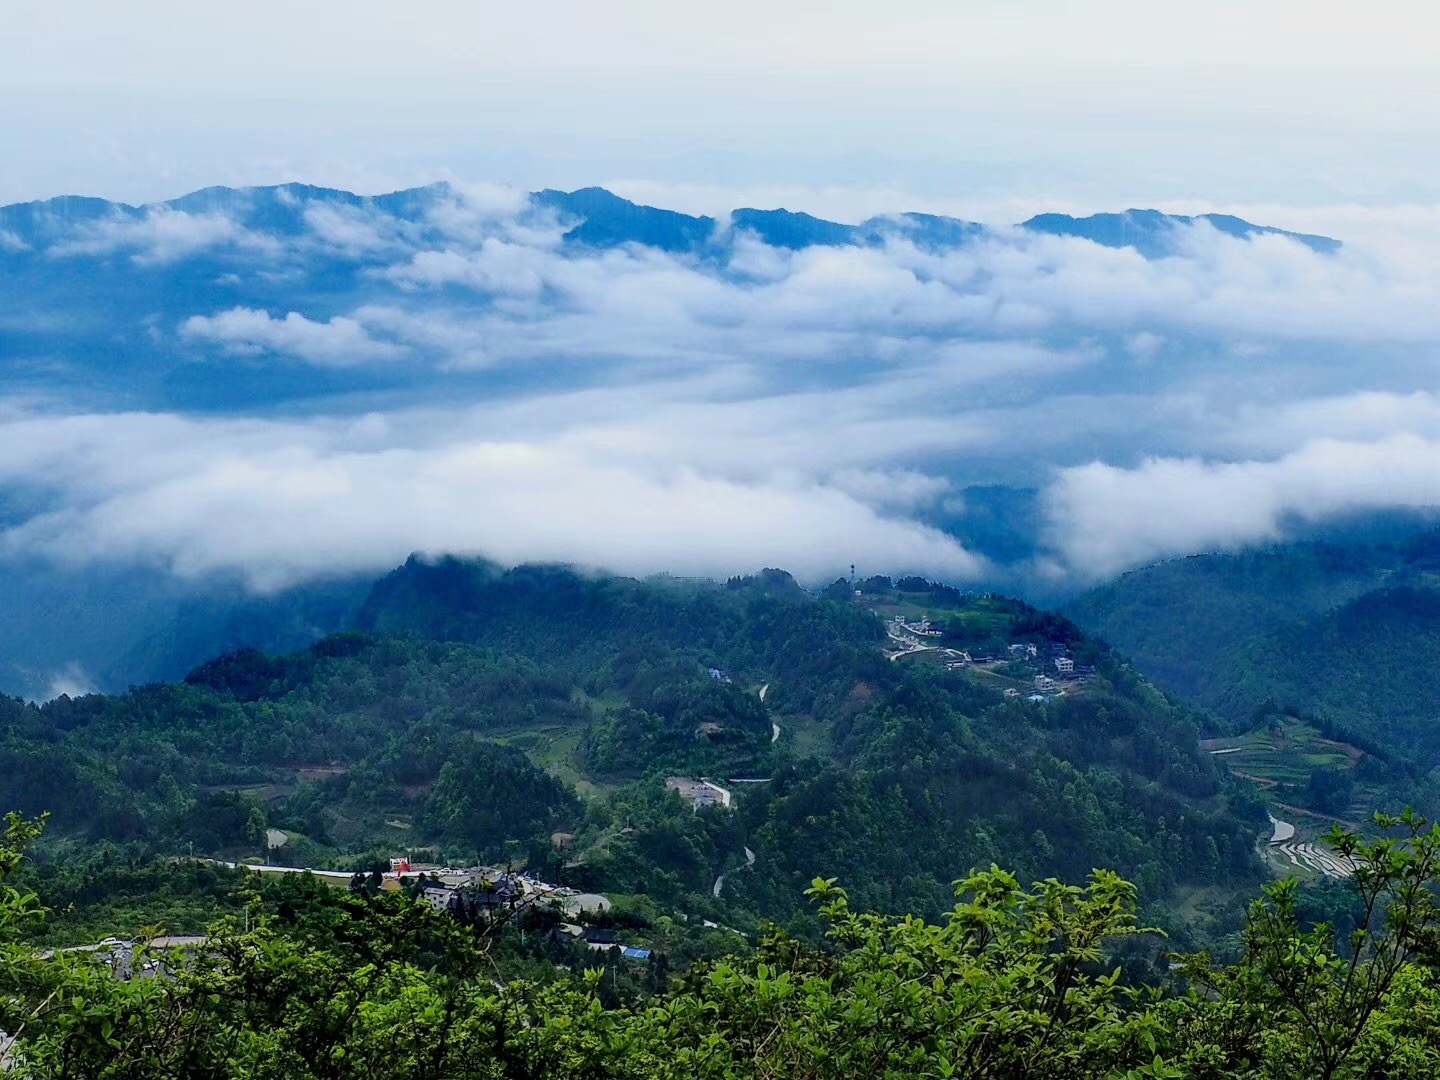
556, 750
807, 736
976, 615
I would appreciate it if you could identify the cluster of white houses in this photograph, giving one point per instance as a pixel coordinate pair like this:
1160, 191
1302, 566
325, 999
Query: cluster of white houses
901, 630
698, 791
1053, 667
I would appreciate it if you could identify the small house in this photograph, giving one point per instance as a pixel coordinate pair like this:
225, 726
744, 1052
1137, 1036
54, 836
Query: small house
437, 896
565, 932
598, 938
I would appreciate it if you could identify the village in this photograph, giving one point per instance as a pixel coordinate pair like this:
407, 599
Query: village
1042, 671
469, 895
485, 893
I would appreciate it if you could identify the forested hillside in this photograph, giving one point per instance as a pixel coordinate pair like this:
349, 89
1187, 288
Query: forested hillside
1367, 667
476, 712
1183, 622
1346, 632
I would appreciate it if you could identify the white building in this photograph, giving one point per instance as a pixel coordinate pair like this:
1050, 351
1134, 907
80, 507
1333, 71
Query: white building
437, 896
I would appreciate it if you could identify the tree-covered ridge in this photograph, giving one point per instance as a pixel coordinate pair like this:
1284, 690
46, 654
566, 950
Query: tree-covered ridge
1345, 633
1366, 667
478, 711
924, 772
1012, 981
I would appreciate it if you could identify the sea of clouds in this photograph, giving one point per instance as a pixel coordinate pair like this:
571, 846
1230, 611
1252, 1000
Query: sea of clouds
518, 397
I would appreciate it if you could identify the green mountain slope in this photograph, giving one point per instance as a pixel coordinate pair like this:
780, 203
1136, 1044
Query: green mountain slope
1336, 628
1185, 623
480, 711
1367, 667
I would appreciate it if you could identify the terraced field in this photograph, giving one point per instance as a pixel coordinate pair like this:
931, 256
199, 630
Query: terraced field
1282, 756
1314, 859
1279, 760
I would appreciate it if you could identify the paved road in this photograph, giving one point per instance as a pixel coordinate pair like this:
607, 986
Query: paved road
720, 881
907, 646
774, 731
774, 727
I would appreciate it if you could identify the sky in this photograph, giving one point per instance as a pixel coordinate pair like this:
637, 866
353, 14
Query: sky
982, 107
494, 391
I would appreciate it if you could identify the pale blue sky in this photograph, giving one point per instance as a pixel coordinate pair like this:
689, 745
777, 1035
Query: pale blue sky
986, 107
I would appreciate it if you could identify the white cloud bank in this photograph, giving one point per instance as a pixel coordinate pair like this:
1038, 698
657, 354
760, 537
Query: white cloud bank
340, 342
1106, 519
161, 235
805, 409
279, 503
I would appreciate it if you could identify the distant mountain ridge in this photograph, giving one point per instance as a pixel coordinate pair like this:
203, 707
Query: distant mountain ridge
1149, 231
604, 219
95, 296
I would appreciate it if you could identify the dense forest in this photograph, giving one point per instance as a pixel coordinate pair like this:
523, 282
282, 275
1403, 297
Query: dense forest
479, 714
1344, 632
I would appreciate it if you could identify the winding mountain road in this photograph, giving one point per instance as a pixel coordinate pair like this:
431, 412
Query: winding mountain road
774, 727
720, 881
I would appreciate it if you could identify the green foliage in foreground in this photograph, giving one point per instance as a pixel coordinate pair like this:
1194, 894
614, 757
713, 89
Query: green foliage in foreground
1013, 982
